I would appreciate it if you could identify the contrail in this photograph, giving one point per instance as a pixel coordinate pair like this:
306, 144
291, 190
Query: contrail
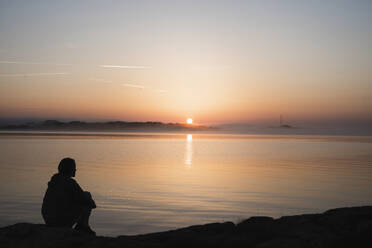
30, 63
62, 64
34, 74
126, 66
134, 86
137, 86
100, 80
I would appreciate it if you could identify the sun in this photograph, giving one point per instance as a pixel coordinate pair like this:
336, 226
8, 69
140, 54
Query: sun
189, 121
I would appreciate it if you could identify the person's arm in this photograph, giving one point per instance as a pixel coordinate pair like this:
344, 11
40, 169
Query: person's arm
80, 196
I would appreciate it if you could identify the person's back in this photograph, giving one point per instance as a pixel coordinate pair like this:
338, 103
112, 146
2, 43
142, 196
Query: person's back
65, 203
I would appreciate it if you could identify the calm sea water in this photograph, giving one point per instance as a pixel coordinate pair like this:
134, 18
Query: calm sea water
154, 182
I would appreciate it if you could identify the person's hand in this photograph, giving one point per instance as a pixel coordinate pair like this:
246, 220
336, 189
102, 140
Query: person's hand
93, 204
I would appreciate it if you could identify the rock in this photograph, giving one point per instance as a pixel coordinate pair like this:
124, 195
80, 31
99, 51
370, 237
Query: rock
343, 227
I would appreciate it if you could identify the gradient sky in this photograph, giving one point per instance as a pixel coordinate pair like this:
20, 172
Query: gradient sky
214, 61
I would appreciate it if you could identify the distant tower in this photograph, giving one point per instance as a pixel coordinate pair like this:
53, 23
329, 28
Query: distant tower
282, 124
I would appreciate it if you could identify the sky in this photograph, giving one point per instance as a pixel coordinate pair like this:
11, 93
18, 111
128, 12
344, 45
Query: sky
213, 61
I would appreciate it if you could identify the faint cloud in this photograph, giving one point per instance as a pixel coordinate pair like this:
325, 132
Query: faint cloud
35, 74
63, 64
70, 45
126, 66
100, 80
161, 91
134, 86
29, 63
210, 67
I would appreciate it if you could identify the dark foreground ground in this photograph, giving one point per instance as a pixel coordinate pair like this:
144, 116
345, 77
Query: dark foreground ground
342, 227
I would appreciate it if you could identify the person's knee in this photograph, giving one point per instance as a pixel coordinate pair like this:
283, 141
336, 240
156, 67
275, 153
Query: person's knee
88, 196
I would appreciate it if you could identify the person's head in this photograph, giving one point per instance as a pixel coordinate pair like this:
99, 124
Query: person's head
67, 167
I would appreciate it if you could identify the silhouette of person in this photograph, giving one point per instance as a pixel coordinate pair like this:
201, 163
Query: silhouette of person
65, 203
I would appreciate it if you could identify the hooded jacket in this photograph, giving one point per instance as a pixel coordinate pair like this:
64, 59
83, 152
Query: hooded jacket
63, 199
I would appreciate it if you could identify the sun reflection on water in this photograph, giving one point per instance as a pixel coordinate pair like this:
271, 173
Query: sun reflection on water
188, 150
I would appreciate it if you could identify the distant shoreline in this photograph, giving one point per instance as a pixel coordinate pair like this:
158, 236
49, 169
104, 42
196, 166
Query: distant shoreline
54, 125
172, 128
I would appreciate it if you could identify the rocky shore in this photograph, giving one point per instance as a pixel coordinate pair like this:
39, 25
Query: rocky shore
342, 227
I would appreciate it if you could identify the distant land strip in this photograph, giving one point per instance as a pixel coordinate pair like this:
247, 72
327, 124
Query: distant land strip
55, 125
